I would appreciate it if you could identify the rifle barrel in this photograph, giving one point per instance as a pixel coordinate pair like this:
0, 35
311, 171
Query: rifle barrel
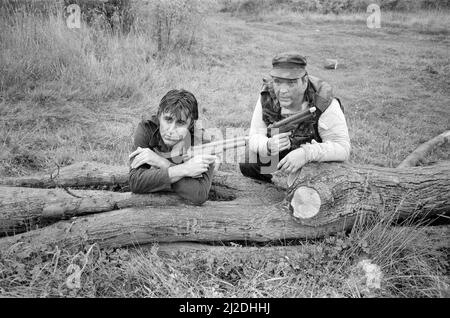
217, 146
221, 143
303, 115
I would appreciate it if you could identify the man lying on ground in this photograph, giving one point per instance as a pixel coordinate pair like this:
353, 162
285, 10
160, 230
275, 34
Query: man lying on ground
154, 167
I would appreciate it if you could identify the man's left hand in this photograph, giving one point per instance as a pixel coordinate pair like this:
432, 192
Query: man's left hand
293, 161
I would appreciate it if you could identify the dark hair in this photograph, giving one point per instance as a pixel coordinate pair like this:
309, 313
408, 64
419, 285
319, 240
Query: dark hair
177, 102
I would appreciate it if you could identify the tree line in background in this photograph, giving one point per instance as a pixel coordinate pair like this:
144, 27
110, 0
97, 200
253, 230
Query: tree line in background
174, 23
330, 6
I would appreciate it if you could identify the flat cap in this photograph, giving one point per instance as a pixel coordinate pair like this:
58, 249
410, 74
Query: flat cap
289, 65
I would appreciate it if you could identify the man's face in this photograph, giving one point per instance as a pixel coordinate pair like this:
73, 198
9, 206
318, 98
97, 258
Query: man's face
289, 91
173, 129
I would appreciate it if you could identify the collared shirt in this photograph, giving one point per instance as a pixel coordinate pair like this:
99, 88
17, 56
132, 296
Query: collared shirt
147, 179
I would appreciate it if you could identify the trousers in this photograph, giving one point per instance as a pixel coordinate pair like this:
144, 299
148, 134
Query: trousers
259, 167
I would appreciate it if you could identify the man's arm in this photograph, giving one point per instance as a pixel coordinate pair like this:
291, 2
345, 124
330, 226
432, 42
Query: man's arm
335, 145
195, 190
146, 178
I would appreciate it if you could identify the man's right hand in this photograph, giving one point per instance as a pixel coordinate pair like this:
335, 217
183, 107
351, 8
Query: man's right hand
147, 156
197, 165
278, 143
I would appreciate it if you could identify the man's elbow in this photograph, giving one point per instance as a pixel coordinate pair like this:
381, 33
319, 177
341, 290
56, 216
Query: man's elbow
134, 184
134, 188
199, 197
342, 152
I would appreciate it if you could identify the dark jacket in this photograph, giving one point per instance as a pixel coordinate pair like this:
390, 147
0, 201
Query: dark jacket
319, 94
147, 179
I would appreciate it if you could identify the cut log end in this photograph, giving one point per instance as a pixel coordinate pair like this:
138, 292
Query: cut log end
305, 203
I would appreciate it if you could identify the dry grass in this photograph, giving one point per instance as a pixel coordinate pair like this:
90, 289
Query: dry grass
411, 266
403, 255
72, 95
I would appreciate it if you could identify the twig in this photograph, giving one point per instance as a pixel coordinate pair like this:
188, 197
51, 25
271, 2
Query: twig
57, 173
419, 154
69, 192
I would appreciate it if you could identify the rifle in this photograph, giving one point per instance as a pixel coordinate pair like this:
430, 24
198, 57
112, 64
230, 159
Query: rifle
211, 148
285, 125
216, 147
290, 123
220, 146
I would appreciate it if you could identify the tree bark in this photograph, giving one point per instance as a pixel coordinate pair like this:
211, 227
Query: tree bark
78, 175
259, 212
439, 235
23, 209
325, 193
214, 221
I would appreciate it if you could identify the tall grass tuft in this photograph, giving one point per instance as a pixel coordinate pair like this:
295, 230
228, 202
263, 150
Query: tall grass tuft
403, 252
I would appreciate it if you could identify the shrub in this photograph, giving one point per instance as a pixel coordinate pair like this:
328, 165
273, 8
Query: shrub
246, 6
334, 6
435, 4
114, 14
174, 23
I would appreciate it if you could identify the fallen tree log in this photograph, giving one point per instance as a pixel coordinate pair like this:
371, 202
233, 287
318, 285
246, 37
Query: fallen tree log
227, 221
336, 194
94, 175
437, 236
324, 194
79, 175
23, 209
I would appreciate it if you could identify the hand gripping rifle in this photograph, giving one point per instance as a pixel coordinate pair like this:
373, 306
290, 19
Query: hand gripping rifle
291, 123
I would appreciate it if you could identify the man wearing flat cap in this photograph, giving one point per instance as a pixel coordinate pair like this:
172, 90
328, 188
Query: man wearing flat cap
290, 90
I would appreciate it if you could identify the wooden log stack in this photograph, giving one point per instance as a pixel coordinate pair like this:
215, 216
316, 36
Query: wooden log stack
61, 208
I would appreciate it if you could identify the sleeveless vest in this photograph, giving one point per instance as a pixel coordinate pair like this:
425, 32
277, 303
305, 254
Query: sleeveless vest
318, 94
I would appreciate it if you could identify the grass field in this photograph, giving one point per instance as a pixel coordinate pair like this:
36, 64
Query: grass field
73, 95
